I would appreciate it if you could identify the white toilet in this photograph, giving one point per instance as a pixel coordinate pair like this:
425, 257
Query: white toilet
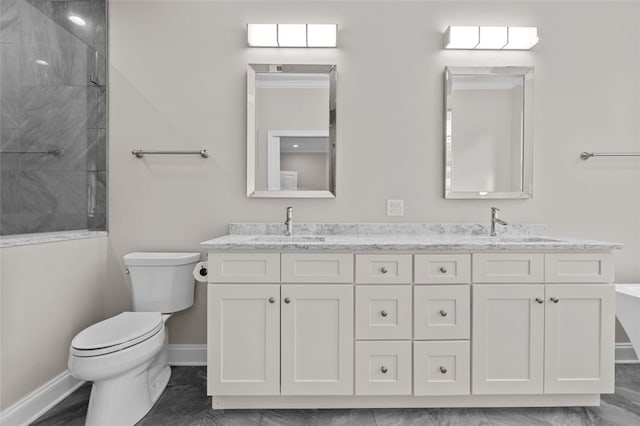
125, 356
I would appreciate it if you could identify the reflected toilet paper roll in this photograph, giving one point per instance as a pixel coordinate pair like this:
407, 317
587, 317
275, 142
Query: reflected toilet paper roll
200, 272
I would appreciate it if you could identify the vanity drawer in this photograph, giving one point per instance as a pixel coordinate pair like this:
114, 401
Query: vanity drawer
383, 268
383, 312
441, 312
579, 268
383, 368
317, 268
441, 368
442, 268
508, 268
244, 267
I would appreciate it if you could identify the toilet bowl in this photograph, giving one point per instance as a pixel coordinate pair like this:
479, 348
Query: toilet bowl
125, 356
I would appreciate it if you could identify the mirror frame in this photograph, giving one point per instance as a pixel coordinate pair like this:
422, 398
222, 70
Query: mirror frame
526, 160
252, 69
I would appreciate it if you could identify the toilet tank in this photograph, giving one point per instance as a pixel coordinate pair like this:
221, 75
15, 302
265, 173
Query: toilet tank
161, 282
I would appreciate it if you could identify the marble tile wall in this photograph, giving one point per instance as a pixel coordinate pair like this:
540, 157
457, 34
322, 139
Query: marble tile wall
52, 96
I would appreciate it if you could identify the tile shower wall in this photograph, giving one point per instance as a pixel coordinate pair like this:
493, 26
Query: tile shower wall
53, 96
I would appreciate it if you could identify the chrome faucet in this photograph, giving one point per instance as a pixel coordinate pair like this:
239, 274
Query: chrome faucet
495, 219
289, 222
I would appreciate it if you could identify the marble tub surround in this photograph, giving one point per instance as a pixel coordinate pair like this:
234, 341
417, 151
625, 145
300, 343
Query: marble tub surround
402, 236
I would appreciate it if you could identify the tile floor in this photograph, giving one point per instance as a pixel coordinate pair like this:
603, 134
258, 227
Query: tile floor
184, 402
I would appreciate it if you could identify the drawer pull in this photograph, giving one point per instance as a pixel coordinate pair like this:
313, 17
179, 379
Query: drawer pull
443, 370
384, 313
287, 300
443, 313
384, 270
383, 369
554, 299
272, 299
443, 269
539, 300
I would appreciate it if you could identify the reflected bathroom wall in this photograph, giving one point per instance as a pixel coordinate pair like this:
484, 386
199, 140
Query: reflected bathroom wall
53, 116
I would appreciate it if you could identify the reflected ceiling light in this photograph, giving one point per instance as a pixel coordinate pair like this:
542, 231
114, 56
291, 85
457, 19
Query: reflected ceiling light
292, 35
77, 20
295, 145
41, 62
490, 38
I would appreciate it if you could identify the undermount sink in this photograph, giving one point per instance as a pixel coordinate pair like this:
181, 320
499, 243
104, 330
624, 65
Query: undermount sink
288, 238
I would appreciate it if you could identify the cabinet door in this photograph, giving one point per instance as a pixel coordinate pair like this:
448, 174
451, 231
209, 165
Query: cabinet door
243, 353
508, 338
579, 338
317, 340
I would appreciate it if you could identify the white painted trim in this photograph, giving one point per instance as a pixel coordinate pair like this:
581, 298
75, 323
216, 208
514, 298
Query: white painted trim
187, 355
40, 400
625, 354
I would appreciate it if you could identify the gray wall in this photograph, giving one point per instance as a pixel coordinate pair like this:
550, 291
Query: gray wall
52, 106
178, 82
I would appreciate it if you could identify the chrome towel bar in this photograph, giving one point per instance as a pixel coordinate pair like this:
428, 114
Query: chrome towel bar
586, 155
19, 151
141, 153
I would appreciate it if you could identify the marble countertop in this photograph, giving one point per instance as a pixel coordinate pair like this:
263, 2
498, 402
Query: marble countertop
396, 237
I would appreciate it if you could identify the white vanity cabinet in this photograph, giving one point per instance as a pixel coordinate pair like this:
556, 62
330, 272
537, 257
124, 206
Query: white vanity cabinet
544, 338
323, 329
272, 339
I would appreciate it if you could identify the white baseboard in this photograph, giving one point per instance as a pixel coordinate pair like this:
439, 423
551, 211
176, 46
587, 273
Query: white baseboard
625, 354
187, 355
40, 400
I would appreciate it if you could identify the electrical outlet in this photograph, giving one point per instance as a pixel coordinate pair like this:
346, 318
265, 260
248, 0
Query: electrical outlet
395, 207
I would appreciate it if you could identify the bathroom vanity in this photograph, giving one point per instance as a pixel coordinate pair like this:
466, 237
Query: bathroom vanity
408, 315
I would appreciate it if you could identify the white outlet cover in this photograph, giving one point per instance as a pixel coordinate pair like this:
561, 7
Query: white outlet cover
395, 207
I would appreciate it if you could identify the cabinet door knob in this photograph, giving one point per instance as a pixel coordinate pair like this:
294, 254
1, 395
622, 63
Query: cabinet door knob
287, 300
443, 313
384, 369
384, 270
539, 300
443, 370
384, 313
443, 269
554, 299
272, 299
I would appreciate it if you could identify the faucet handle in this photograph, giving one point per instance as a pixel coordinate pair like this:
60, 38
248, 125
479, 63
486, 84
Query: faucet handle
495, 209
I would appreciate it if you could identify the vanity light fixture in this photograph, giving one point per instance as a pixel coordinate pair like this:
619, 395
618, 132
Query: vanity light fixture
490, 38
292, 35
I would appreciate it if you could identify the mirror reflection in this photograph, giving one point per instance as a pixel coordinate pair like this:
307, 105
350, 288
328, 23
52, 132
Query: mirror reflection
488, 138
291, 130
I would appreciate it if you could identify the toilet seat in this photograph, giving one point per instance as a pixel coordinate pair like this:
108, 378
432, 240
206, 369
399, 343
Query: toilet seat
116, 333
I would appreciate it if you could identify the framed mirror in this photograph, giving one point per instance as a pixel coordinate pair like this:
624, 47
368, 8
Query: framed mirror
488, 132
291, 131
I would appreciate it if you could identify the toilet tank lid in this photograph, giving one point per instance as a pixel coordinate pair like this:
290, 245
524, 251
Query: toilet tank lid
160, 258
